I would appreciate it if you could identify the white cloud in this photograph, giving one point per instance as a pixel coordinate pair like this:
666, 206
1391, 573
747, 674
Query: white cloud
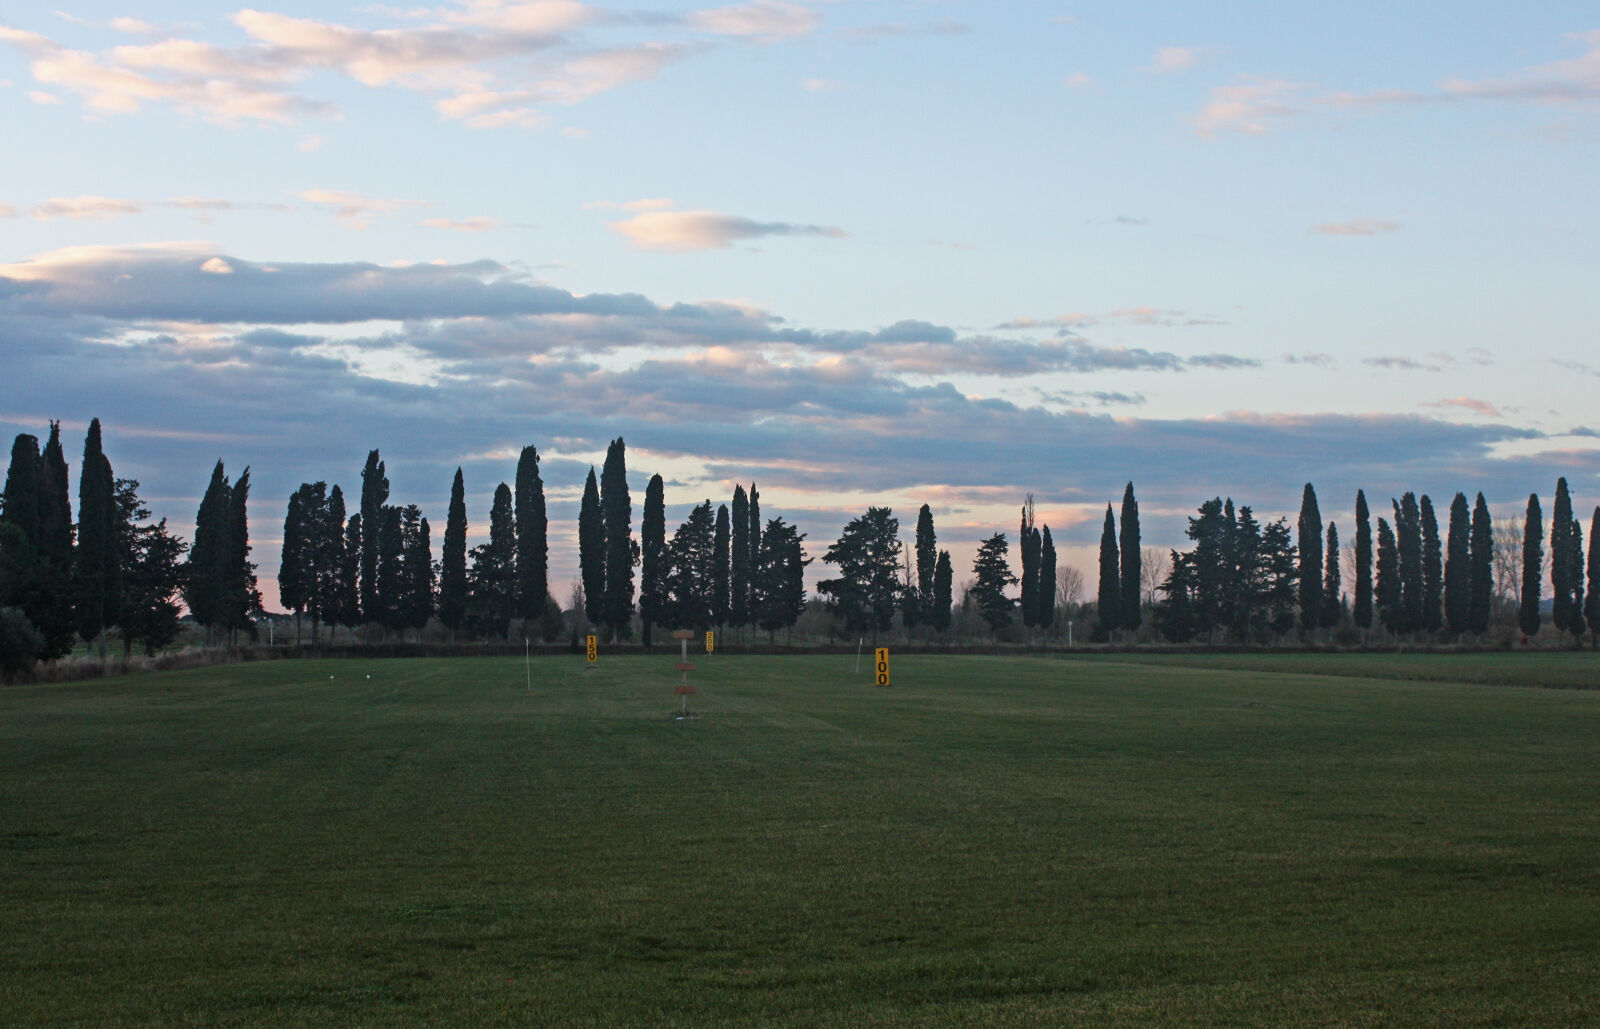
1078, 80
355, 210
84, 208
1356, 227
1249, 105
7, 211
684, 231
42, 98
1171, 59
764, 19
216, 266
823, 86
477, 224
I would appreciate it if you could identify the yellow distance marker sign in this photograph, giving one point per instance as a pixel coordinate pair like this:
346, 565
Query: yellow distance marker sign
880, 664
594, 649
710, 642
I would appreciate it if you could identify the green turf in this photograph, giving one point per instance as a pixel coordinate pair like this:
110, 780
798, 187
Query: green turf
999, 841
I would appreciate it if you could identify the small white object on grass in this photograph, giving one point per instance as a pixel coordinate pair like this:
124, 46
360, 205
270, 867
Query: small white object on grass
369, 676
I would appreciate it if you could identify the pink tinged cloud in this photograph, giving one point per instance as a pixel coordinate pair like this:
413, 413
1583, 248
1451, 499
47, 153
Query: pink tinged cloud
1250, 105
1472, 404
764, 19
477, 224
84, 208
685, 231
1358, 227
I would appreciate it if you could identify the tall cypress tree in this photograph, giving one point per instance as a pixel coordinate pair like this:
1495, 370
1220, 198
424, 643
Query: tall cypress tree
244, 599
1432, 568
293, 588
1480, 589
333, 588
493, 587
943, 591
533, 542
1108, 612
56, 622
653, 556
420, 584
350, 573
453, 560
1309, 542
720, 553
753, 541
21, 503
927, 551
1561, 565
1047, 579
22, 577
1332, 604
1362, 608
739, 561
1387, 589
1575, 558
1129, 557
1408, 544
592, 550
616, 508
1458, 568
206, 576
374, 494
1591, 604
97, 568
1029, 545
1532, 567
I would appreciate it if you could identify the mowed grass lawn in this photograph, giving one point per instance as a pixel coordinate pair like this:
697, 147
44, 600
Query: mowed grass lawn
1002, 841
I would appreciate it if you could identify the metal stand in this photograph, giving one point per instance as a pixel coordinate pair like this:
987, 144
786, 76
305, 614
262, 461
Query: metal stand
684, 689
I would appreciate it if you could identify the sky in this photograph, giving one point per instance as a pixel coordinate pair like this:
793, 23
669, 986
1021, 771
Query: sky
860, 252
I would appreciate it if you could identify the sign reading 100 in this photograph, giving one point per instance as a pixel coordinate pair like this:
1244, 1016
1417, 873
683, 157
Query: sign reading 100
881, 666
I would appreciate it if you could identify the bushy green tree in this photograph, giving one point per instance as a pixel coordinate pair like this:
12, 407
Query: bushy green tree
151, 573
867, 555
992, 575
779, 577
1591, 604
690, 572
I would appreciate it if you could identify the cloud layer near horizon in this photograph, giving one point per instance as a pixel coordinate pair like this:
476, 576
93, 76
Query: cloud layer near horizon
295, 368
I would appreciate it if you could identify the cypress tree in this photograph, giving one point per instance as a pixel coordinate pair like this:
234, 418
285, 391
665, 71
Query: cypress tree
206, 578
292, 586
1047, 579
374, 494
533, 545
333, 589
1575, 558
493, 577
97, 568
1480, 588
21, 504
243, 598
1591, 604
739, 561
753, 540
1029, 544
1532, 567
1561, 525
592, 550
1310, 571
453, 560
1387, 590
56, 622
417, 581
1332, 604
1408, 543
720, 547
1132, 612
616, 508
1362, 611
653, 554
927, 552
943, 592
350, 573
1108, 613
1458, 569
1432, 568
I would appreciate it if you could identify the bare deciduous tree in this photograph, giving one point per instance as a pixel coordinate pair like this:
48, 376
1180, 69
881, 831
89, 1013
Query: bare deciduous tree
1153, 563
1069, 587
1508, 557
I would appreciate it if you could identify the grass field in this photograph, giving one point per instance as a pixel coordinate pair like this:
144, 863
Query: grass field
1005, 841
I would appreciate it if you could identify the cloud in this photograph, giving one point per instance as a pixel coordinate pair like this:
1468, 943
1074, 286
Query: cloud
1476, 406
647, 204
1249, 105
354, 210
1171, 59
823, 86
1357, 227
1318, 360
1078, 80
895, 30
764, 19
42, 98
685, 231
477, 224
84, 208
216, 266
7, 211
1400, 363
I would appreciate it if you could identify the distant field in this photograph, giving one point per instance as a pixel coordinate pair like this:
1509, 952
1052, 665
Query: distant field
1236, 839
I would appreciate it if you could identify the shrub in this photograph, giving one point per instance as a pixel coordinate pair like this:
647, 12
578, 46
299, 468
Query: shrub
20, 644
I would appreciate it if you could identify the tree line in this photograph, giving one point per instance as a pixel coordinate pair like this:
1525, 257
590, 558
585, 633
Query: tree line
373, 567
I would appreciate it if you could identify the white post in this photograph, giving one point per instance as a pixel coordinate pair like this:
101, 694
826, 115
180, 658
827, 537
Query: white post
527, 663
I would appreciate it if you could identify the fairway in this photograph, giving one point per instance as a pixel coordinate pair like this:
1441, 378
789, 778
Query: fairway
1004, 841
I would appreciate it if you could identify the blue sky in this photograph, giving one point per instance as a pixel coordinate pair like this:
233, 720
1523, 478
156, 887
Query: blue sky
860, 252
